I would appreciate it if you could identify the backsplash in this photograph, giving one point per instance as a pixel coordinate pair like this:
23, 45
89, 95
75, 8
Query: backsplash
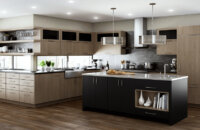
137, 55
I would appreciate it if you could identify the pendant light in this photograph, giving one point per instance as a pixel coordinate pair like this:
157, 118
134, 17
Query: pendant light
114, 40
153, 38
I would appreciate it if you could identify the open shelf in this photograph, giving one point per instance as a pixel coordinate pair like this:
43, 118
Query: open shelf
18, 41
151, 95
15, 54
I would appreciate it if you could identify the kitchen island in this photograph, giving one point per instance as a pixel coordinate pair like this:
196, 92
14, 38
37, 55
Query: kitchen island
121, 94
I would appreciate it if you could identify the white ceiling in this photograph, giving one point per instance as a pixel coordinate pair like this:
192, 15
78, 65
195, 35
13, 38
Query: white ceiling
86, 10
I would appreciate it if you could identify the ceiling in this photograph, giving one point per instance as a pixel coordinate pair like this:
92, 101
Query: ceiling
97, 10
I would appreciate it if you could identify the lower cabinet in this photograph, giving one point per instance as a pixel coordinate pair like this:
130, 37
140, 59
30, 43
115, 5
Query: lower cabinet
131, 96
2, 93
119, 95
12, 95
27, 97
95, 92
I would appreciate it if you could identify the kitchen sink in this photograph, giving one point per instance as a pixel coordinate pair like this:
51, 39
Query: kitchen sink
73, 73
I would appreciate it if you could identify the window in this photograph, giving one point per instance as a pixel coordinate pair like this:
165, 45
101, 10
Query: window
60, 61
22, 62
5, 62
79, 61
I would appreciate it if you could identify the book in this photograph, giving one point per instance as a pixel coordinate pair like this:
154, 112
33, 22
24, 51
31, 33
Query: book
154, 102
158, 100
160, 103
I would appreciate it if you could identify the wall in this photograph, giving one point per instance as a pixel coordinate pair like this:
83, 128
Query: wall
51, 22
16, 22
125, 25
174, 21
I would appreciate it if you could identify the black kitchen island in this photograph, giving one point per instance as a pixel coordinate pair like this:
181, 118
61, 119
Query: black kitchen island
123, 94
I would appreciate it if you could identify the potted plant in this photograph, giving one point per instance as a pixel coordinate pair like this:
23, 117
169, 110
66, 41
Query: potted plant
48, 63
42, 64
52, 66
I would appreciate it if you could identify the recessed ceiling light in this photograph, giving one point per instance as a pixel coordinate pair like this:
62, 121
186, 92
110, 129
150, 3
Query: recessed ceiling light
33, 7
171, 10
130, 14
71, 1
96, 18
68, 13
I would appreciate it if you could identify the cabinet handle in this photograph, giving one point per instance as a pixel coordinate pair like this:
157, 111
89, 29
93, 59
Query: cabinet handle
93, 80
118, 82
150, 87
149, 113
121, 82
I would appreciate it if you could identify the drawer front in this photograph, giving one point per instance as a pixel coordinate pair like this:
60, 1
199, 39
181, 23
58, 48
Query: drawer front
2, 93
12, 87
153, 114
12, 95
2, 75
2, 85
2, 80
12, 76
12, 81
27, 77
27, 89
27, 83
154, 85
26, 97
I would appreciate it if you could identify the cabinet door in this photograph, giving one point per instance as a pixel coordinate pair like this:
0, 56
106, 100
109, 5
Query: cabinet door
119, 95
88, 92
52, 47
101, 93
67, 47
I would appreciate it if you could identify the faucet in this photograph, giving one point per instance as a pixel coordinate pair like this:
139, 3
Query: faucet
165, 69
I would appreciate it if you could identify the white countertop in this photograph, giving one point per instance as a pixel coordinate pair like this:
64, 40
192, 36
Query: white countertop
163, 77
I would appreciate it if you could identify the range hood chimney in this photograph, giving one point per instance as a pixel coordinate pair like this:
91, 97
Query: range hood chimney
140, 28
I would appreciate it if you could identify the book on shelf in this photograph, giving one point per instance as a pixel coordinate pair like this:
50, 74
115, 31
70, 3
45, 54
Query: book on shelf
161, 101
158, 100
155, 102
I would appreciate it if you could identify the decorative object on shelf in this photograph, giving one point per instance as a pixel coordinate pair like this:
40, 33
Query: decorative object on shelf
4, 49
43, 64
152, 39
148, 102
141, 99
52, 66
48, 68
5, 37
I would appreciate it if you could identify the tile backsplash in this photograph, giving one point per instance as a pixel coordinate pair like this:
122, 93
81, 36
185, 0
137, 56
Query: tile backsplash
137, 55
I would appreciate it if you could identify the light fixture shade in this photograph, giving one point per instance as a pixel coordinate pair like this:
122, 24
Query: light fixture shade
152, 39
112, 41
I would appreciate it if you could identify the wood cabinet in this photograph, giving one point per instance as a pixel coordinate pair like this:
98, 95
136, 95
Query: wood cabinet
95, 92
51, 47
170, 48
188, 60
108, 49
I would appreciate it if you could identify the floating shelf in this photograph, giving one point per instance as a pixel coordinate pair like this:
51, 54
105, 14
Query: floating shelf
15, 54
18, 41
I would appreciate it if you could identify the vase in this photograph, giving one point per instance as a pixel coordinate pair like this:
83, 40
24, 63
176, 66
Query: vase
148, 102
43, 69
141, 99
48, 69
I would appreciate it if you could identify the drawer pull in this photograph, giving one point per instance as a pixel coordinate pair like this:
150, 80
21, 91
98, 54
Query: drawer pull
149, 113
150, 87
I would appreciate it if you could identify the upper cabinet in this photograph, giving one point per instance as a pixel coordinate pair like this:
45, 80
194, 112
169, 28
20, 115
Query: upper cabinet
170, 48
85, 37
51, 42
76, 43
108, 49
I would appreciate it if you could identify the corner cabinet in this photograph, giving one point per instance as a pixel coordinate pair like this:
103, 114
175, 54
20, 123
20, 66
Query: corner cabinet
170, 48
121, 95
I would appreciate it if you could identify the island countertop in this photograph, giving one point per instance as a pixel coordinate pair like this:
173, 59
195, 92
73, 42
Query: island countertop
162, 77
